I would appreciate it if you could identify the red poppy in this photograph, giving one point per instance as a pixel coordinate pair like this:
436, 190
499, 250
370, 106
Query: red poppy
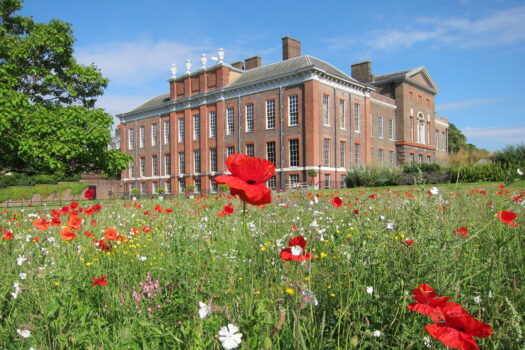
88, 233
105, 247
356, 211
55, 221
101, 281
73, 205
336, 202
41, 224
427, 302
146, 229
94, 223
507, 217
36, 239
228, 209
89, 194
158, 208
64, 210
408, 242
459, 328
74, 223
294, 228
111, 234
168, 210
97, 207
248, 177
462, 231
7, 235
67, 234
296, 250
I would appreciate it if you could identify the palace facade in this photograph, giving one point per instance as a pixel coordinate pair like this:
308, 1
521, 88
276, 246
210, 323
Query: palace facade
301, 114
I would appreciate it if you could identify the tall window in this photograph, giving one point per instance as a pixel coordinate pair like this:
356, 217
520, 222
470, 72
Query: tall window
181, 129
392, 159
326, 149
143, 188
411, 129
380, 126
196, 127
270, 151
436, 138
167, 164
294, 180
154, 166
356, 117
131, 168
167, 186
142, 137
272, 183
420, 159
428, 159
428, 134
213, 124
182, 186
326, 109
167, 133
294, 152
270, 114
343, 181
327, 180
197, 161
381, 155
411, 158
214, 187
229, 121
357, 154
391, 129
293, 110
154, 186
197, 184
142, 167
250, 150
213, 159
249, 117
230, 151
342, 148
342, 113
421, 131
154, 134
182, 163
131, 140
443, 141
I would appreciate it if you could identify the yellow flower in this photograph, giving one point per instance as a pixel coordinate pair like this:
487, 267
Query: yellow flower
332, 295
57, 284
323, 255
307, 278
263, 248
351, 228
290, 291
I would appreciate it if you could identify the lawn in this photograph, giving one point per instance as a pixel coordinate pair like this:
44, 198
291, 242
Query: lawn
170, 274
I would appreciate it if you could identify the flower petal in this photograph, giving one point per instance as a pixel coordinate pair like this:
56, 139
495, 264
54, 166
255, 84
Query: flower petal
250, 169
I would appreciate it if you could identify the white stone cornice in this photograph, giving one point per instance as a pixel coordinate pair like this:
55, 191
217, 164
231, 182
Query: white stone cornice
385, 104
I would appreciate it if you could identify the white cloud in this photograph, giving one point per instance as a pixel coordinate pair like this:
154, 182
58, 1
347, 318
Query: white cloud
506, 136
465, 103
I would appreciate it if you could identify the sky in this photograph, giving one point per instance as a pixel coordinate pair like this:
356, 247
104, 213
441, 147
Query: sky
474, 50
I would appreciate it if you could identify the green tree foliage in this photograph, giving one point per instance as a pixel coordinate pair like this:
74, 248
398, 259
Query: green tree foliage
511, 155
48, 123
456, 139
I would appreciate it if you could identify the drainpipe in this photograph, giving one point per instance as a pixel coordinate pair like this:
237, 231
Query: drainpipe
137, 165
335, 137
281, 162
239, 124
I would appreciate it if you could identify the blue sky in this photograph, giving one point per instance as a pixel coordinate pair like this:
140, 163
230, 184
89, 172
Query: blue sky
474, 50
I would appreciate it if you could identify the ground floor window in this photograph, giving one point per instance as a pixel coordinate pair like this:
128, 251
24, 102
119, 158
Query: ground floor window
327, 180
142, 188
213, 186
167, 187
343, 183
197, 184
182, 186
294, 180
272, 183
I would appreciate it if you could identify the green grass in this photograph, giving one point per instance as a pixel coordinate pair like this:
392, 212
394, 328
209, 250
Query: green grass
196, 255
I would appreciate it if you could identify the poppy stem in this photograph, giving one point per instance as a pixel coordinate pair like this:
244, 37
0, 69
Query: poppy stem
244, 218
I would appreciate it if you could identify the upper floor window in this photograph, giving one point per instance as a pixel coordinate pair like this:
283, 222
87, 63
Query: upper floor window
294, 152
213, 123
142, 167
326, 149
343, 154
142, 136
131, 140
196, 127
356, 117
167, 164
153, 134
357, 154
154, 166
380, 126
249, 117
270, 114
181, 129
411, 129
182, 163
293, 110
213, 159
230, 122
197, 161
167, 131
342, 113
436, 138
326, 110
391, 129
250, 150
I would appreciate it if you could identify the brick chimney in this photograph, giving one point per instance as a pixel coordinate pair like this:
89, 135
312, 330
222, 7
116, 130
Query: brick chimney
252, 62
238, 65
291, 48
362, 71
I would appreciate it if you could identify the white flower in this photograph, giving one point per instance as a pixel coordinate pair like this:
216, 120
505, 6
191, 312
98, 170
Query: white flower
20, 260
377, 333
390, 226
22, 275
370, 290
229, 337
490, 294
434, 190
477, 299
520, 173
427, 342
309, 297
24, 333
204, 310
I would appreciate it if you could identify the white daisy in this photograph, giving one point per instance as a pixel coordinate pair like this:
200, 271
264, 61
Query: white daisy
25, 333
434, 190
204, 310
370, 290
377, 333
229, 337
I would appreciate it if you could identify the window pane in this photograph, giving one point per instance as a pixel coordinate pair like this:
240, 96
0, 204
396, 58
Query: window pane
196, 127
270, 114
294, 152
213, 124
249, 117
293, 110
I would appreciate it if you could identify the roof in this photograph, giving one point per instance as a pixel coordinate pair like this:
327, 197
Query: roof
289, 66
264, 72
406, 75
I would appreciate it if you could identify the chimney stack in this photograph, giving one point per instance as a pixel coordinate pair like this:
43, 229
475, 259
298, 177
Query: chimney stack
252, 62
238, 65
362, 71
291, 48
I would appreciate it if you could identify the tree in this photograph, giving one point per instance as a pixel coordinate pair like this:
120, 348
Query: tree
48, 122
456, 139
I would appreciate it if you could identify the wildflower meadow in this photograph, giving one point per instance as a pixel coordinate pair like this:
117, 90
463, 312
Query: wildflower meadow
386, 268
